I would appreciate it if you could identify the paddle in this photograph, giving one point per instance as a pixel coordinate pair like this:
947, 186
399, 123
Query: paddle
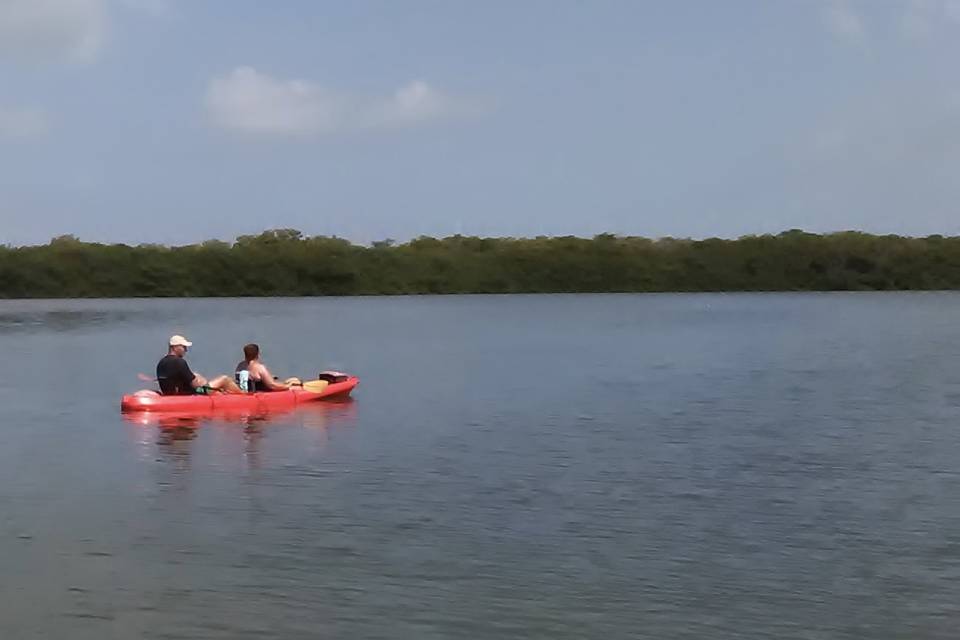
146, 378
312, 386
315, 386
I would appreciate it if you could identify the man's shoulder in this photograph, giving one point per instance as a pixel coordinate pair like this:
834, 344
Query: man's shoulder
172, 361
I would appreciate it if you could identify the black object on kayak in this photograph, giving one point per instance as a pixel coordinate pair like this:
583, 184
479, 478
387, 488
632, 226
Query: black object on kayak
332, 376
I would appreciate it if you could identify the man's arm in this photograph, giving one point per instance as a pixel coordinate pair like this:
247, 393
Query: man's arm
196, 380
268, 380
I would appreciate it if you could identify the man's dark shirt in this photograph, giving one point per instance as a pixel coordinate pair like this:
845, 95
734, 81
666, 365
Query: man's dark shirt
174, 376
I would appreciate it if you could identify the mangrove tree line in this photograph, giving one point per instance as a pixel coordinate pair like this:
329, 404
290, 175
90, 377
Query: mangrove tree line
285, 262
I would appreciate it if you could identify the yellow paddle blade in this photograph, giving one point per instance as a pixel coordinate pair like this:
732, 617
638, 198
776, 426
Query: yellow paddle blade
315, 386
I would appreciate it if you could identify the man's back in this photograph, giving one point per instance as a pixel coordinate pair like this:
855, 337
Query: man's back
174, 376
259, 374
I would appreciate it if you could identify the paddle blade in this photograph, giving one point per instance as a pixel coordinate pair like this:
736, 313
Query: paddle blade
315, 386
146, 378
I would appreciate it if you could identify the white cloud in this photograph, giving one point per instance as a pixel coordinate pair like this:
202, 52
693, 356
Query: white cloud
920, 17
883, 154
22, 123
153, 7
952, 9
844, 23
247, 100
916, 19
412, 103
44, 30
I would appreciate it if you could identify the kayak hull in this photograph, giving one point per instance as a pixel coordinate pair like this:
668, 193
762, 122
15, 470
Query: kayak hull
241, 402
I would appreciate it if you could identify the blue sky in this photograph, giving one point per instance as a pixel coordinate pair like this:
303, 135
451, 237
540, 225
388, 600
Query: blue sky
174, 121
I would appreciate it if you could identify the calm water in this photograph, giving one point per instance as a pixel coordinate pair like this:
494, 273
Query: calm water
703, 466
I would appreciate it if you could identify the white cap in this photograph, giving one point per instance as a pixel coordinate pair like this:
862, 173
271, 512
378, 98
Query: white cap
179, 341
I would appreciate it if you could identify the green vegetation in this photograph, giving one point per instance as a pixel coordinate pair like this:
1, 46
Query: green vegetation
284, 262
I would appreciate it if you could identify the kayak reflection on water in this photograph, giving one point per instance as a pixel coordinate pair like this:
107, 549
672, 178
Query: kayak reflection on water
317, 415
173, 437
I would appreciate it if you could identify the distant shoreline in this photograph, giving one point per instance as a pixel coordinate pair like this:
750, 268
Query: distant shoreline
284, 263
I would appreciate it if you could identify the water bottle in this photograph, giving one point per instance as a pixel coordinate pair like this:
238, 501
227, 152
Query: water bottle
243, 380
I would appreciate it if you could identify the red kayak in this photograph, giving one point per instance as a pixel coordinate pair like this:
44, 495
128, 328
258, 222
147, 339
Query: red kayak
146, 400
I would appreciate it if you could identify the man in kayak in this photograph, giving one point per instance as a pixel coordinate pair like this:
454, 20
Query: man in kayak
258, 377
176, 378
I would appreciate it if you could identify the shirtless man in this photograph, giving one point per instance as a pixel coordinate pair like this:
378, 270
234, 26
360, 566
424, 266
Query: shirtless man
260, 378
176, 378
